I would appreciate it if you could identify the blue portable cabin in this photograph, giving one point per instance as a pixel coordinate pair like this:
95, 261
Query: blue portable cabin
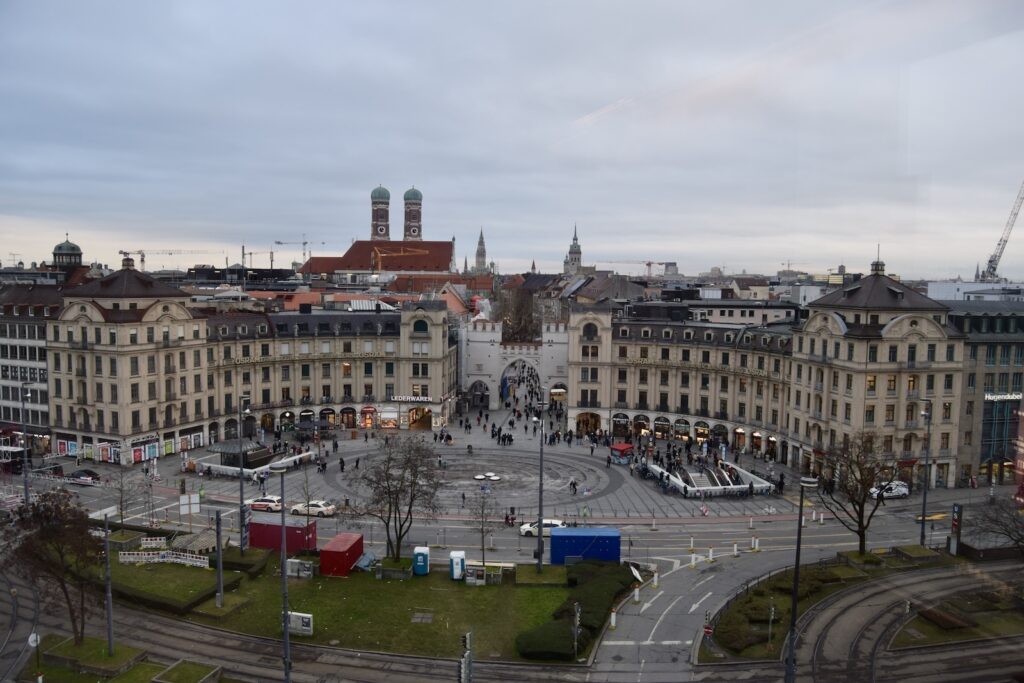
594, 543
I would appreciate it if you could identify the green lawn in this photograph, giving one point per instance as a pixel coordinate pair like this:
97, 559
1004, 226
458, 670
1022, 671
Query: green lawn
142, 672
551, 575
55, 674
172, 580
187, 672
363, 613
93, 651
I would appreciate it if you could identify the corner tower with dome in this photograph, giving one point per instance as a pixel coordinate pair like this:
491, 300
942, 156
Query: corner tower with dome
380, 201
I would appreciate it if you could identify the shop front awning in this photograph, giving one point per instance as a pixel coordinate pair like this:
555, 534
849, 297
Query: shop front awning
909, 462
368, 409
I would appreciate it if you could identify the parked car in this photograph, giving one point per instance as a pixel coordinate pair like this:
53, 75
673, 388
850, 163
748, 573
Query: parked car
315, 508
530, 528
896, 489
265, 504
84, 477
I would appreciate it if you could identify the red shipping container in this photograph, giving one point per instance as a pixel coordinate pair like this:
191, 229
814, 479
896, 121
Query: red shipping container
340, 554
265, 532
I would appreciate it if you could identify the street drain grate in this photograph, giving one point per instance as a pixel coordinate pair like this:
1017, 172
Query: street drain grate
422, 617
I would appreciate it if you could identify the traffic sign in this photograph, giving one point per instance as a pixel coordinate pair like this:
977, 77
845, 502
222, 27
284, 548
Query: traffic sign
708, 629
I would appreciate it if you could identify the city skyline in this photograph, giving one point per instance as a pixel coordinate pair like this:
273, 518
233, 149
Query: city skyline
681, 132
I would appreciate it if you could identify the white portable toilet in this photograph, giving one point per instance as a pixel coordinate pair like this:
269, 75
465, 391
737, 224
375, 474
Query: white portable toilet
457, 564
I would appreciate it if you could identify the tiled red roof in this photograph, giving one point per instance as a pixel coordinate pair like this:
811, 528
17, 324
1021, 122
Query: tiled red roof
426, 283
385, 255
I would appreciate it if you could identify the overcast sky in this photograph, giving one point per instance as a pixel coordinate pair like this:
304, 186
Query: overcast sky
736, 134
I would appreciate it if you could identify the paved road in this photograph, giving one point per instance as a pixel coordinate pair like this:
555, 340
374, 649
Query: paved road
654, 638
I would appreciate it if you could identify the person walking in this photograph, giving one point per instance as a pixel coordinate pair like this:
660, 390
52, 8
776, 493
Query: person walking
341, 463
357, 463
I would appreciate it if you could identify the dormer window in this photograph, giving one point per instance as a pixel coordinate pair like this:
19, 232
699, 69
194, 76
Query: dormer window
243, 329
623, 331
688, 335
666, 334
262, 329
708, 336
223, 330
728, 339
645, 333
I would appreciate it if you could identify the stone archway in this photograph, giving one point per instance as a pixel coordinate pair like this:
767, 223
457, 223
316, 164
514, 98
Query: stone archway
479, 396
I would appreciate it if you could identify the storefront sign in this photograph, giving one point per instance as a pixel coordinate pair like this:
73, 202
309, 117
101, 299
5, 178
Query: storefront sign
1015, 396
412, 399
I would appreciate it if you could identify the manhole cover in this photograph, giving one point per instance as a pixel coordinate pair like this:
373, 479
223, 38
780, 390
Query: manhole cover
422, 617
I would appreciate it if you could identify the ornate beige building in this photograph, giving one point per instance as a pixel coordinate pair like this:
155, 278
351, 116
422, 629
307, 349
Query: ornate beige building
136, 372
873, 356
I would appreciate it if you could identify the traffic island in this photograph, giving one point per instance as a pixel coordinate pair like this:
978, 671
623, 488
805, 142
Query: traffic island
971, 615
185, 671
741, 630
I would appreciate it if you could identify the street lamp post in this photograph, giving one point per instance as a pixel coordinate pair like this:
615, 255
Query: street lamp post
241, 476
805, 483
540, 486
280, 468
25, 459
927, 415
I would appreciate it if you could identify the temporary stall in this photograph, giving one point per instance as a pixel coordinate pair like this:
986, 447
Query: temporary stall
265, 532
593, 543
341, 554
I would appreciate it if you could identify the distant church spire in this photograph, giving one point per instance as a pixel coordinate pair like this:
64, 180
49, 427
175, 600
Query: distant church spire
533, 267
574, 259
480, 265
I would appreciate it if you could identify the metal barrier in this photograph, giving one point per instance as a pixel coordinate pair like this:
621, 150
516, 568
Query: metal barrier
170, 556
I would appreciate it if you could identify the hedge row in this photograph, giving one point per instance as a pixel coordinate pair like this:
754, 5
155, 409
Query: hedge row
947, 620
595, 586
252, 563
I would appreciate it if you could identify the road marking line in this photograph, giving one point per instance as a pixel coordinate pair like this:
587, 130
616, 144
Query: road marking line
658, 622
650, 602
619, 642
695, 605
703, 581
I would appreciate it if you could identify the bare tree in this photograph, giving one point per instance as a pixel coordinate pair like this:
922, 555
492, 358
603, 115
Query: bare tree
52, 546
128, 489
484, 513
1003, 519
401, 483
858, 465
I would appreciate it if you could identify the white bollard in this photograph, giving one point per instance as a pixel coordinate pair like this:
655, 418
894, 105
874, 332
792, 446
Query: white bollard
711, 554
691, 542
821, 519
750, 525
612, 625
693, 560
757, 544
803, 520
752, 543
654, 525
814, 515
655, 582
735, 550
636, 596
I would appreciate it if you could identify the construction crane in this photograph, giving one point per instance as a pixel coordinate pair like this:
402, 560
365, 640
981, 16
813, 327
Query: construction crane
170, 252
647, 264
305, 243
989, 274
250, 254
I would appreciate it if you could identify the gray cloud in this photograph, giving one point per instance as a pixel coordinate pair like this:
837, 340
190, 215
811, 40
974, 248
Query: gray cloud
705, 133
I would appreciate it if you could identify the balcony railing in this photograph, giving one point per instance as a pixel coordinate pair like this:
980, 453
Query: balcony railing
913, 393
79, 372
682, 409
642, 405
589, 404
910, 424
326, 399
369, 398
720, 415
346, 399
82, 401
591, 337
169, 368
621, 404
